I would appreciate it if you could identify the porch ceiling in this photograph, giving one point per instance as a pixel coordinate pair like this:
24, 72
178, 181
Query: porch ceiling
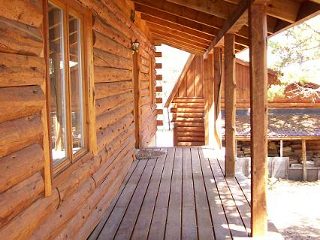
197, 26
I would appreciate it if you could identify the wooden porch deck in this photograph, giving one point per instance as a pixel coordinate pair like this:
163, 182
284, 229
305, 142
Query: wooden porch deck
181, 195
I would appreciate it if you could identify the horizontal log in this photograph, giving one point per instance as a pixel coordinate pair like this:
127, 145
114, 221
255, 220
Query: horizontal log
106, 74
158, 77
107, 104
103, 12
114, 161
144, 77
20, 197
144, 84
190, 129
182, 119
91, 213
20, 165
188, 124
19, 38
158, 54
107, 30
110, 89
21, 11
189, 134
105, 59
190, 139
105, 136
159, 89
187, 110
20, 133
188, 144
188, 100
144, 69
66, 210
159, 122
188, 115
29, 220
109, 118
158, 65
188, 105
21, 70
69, 181
159, 111
116, 143
17, 102
108, 45
158, 100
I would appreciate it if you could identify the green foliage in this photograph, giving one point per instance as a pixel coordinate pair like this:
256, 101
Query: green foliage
276, 91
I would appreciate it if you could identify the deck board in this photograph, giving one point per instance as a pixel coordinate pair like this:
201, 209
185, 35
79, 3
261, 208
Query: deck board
182, 194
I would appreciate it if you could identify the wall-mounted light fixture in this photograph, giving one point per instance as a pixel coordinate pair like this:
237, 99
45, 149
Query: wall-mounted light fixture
135, 46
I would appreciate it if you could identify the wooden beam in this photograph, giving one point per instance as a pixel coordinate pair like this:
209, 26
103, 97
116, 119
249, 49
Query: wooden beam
230, 104
304, 159
232, 25
217, 65
175, 26
286, 10
177, 20
259, 117
179, 37
209, 102
176, 45
184, 12
218, 8
166, 30
183, 43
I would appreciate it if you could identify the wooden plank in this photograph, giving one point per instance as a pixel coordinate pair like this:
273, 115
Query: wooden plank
115, 218
173, 225
234, 219
259, 119
217, 212
157, 228
128, 222
96, 232
158, 54
230, 105
240, 200
205, 230
189, 218
142, 226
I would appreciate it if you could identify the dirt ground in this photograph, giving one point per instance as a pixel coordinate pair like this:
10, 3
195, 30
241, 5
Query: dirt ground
294, 208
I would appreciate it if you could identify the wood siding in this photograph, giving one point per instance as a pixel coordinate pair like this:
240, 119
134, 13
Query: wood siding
84, 190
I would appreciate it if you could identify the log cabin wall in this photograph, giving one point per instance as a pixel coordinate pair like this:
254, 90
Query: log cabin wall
188, 107
83, 191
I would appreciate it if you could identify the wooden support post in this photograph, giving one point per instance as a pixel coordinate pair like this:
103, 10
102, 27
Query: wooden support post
209, 102
136, 86
281, 148
304, 159
217, 60
259, 118
230, 104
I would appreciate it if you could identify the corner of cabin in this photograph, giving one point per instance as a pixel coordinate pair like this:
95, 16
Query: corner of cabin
67, 112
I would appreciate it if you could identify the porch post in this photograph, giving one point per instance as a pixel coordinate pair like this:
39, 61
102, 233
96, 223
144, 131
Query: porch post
259, 117
230, 104
217, 62
209, 101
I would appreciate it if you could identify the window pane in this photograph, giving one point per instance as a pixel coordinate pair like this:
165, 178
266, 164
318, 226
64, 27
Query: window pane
75, 67
57, 85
